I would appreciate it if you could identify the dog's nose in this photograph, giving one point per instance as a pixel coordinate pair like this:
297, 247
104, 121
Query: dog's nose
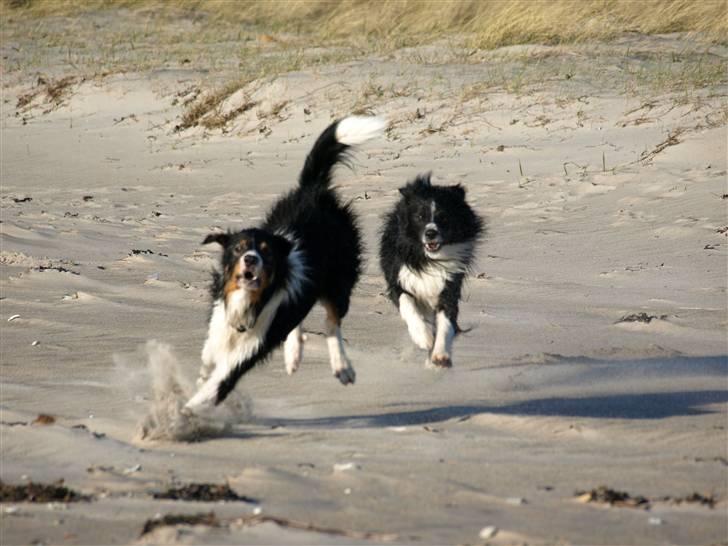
250, 260
430, 234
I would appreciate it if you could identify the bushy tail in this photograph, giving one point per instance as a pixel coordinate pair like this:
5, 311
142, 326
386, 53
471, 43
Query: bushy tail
331, 146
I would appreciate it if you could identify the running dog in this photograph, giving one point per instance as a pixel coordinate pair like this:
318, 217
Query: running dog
427, 247
308, 249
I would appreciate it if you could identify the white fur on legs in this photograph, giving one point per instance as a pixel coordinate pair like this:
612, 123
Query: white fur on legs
206, 394
340, 364
226, 347
419, 330
293, 350
442, 351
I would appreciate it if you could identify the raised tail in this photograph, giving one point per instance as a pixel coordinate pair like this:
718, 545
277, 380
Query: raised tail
330, 147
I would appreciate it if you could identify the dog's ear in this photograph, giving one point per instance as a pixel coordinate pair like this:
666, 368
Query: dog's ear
223, 239
459, 190
421, 182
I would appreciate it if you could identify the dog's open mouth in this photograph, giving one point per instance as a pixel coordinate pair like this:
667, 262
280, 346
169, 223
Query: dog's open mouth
432, 246
249, 280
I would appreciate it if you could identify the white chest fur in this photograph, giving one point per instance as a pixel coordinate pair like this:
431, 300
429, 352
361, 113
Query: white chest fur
425, 285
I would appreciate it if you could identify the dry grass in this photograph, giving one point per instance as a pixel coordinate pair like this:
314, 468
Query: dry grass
393, 23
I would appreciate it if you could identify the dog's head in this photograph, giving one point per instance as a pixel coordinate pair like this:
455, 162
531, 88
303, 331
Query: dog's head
438, 217
254, 262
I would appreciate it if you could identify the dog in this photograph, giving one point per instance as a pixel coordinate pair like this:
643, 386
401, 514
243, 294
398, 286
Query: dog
427, 247
308, 249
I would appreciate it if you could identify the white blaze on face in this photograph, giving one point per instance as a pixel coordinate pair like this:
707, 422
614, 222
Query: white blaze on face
432, 243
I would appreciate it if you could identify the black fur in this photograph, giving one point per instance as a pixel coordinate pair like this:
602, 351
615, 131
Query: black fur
403, 234
328, 236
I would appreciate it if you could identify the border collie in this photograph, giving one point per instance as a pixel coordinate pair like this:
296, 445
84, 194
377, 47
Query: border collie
427, 247
307, 250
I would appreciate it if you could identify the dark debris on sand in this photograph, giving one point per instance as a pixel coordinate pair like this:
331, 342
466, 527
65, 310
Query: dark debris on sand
208, 519
694, 498
39, 492
204, 492
640, 317
605, 495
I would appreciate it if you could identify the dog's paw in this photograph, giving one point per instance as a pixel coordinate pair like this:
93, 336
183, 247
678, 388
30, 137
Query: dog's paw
203, 400
441, 361
346, 375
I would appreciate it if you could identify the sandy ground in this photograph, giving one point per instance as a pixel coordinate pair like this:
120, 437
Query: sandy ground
600, 203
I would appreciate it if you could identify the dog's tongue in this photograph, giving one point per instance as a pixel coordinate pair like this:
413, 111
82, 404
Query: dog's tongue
432, 246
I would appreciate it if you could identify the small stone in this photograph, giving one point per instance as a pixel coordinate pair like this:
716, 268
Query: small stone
655, 521
516, 501
257, 510
341, 467
347, 491
36, 342
488, 532
11, 510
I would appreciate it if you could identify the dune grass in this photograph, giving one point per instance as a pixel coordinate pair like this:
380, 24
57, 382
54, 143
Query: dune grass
239, 42
394, 23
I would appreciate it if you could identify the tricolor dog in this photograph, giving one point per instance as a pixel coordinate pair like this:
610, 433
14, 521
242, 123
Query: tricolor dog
427, 247
308, 249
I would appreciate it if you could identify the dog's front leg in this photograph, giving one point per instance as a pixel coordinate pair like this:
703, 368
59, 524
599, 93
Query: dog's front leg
231, 361
445, 333
419, 329
446, 320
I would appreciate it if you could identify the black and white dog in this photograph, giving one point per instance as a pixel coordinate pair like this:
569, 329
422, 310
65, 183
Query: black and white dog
307, 250
427, 247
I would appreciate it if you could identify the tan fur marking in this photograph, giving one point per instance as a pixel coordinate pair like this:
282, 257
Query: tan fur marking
231, 285
332, 316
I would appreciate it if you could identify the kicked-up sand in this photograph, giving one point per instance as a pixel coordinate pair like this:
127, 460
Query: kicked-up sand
597, 351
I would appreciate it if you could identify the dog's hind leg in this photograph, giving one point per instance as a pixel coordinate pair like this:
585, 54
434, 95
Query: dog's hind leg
293, 350
340, 364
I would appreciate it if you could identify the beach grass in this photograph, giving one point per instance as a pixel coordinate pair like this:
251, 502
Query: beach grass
394, 23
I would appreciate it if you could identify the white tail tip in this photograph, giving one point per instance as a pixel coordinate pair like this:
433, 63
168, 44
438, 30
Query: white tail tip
357, 129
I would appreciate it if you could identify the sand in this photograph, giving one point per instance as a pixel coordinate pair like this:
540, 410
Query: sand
597, 353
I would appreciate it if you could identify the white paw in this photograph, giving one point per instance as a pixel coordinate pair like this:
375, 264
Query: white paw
421, 334
204, 398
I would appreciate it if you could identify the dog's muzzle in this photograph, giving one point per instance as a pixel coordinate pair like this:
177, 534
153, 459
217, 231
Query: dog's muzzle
250, 269
431, 238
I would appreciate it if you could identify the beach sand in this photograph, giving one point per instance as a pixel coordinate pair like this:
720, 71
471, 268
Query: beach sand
596, 356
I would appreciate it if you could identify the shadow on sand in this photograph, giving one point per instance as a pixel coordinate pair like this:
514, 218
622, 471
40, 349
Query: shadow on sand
648, 405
